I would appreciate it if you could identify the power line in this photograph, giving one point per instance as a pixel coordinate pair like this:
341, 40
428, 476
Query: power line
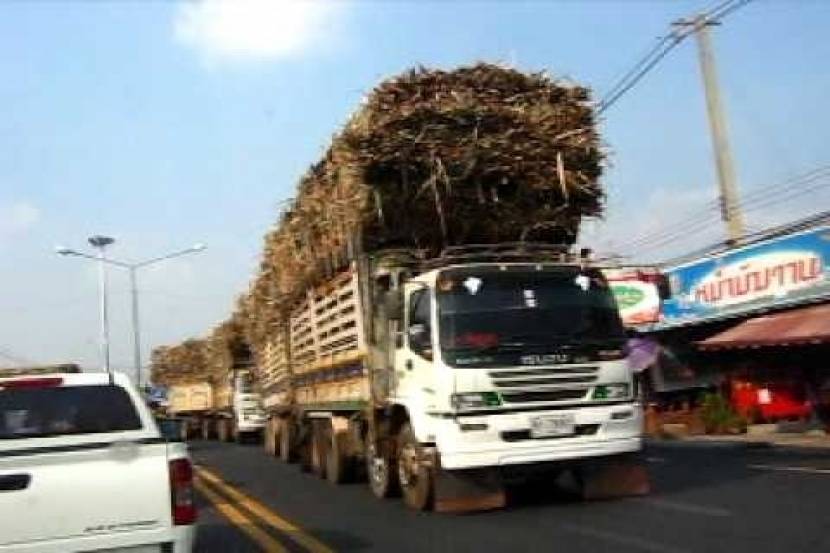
710, 209
660, 50
770, 201
673, 234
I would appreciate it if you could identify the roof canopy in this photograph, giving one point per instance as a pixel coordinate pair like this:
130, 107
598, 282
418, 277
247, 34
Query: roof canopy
806, 325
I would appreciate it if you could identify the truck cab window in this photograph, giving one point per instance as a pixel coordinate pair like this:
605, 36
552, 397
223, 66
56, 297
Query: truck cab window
419, 329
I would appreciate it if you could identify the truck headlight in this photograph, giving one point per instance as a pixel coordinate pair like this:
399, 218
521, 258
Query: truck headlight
477, 400
612, 392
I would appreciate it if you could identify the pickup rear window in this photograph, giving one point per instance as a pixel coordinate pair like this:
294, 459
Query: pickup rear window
64, 410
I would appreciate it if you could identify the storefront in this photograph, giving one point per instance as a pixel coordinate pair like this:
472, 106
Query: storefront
753, 324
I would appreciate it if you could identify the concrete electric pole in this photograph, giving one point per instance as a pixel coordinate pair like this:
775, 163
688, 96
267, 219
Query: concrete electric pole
730, 207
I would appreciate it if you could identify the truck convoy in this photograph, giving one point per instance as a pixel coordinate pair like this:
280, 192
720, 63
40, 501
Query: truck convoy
225, 406
421, 317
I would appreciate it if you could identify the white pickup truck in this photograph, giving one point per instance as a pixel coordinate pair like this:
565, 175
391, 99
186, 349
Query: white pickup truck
83, 467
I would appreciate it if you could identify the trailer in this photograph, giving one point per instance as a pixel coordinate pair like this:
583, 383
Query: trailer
228, 409
445, 379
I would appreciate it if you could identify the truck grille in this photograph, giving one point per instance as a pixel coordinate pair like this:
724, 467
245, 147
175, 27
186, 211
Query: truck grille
535, 397
544, 384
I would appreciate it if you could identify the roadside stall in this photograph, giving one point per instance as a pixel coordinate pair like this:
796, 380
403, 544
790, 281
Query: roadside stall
753, 324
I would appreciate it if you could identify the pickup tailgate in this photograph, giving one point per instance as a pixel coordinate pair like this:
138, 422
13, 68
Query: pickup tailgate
94, 489
78, 463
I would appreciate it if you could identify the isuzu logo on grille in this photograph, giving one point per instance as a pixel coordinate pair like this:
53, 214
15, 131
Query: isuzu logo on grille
548, 359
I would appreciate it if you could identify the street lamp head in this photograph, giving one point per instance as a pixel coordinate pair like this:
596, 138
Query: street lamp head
99, 241
198, 247
63, 250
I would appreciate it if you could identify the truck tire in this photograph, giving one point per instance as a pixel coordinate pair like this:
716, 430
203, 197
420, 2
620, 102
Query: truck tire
417, 480
204, 426
338, 463
287, 452
320, 432
269, 437
380, 469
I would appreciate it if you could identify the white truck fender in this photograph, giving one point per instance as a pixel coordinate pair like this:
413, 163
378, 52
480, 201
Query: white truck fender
419, 420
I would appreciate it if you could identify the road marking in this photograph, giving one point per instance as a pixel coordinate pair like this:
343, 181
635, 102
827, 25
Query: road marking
684, 507
238, 519
779, 468
621, 539
268, 516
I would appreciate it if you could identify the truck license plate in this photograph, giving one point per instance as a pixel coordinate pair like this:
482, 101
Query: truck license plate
548, 426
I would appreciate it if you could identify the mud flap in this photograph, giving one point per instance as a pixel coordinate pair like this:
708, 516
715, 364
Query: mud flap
466, 491
613, 477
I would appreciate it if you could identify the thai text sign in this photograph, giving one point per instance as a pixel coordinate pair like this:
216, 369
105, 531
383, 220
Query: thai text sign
787, 269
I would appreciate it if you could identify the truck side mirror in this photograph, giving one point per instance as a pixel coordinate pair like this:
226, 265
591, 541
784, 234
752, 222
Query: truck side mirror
393, 302
419, 338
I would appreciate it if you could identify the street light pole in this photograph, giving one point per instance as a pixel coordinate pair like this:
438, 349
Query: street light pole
100, 242
136, 326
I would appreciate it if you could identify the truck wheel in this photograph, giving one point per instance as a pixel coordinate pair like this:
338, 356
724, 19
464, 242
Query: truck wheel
286, 434
416, 479
380, 469
338, 463
269, 438
205, 428
319, 439
222, 433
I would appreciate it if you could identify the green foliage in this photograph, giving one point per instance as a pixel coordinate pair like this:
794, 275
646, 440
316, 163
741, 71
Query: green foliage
719, 417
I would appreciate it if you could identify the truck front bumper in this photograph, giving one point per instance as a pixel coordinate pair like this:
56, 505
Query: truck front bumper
489, 440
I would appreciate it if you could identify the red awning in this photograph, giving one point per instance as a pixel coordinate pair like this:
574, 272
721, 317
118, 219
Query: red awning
806, 325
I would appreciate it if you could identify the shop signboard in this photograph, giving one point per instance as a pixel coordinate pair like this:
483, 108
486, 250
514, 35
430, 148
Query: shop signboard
637, 295
786, 270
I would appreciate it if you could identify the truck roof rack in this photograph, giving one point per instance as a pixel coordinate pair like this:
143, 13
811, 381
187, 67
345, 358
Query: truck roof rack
506, 252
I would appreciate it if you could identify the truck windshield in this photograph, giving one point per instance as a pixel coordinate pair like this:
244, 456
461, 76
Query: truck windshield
44, 412
504, 310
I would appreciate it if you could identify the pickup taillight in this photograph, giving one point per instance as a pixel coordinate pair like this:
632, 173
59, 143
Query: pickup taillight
181, 492
31, 383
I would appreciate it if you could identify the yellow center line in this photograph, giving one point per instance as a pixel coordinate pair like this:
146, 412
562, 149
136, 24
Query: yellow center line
268, 516
238, 519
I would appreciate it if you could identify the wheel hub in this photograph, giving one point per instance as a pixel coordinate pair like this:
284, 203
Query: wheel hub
408, 466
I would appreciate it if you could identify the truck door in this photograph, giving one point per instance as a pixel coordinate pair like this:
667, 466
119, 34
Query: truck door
414, 361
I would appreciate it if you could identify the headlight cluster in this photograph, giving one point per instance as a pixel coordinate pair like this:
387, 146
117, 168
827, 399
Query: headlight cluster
477, 400
611, 392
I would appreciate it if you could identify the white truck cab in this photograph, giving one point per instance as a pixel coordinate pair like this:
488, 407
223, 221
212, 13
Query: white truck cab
515, 363
248, 413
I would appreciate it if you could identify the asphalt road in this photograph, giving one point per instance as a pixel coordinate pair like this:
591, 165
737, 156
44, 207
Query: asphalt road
707, 498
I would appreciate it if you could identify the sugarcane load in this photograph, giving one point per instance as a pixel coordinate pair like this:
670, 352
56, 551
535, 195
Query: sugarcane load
479, 155
419, 311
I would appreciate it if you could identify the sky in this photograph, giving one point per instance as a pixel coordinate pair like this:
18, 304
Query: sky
165, 124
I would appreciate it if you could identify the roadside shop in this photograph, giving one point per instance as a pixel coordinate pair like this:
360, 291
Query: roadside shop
752, 324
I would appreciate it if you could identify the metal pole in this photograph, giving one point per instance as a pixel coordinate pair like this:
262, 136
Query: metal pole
102, 292
730, 209
136, 327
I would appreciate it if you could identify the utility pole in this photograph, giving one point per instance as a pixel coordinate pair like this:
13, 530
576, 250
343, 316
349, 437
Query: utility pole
730, 208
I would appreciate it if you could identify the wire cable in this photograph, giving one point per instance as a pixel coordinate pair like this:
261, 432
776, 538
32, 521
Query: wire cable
660, 50
711, 210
